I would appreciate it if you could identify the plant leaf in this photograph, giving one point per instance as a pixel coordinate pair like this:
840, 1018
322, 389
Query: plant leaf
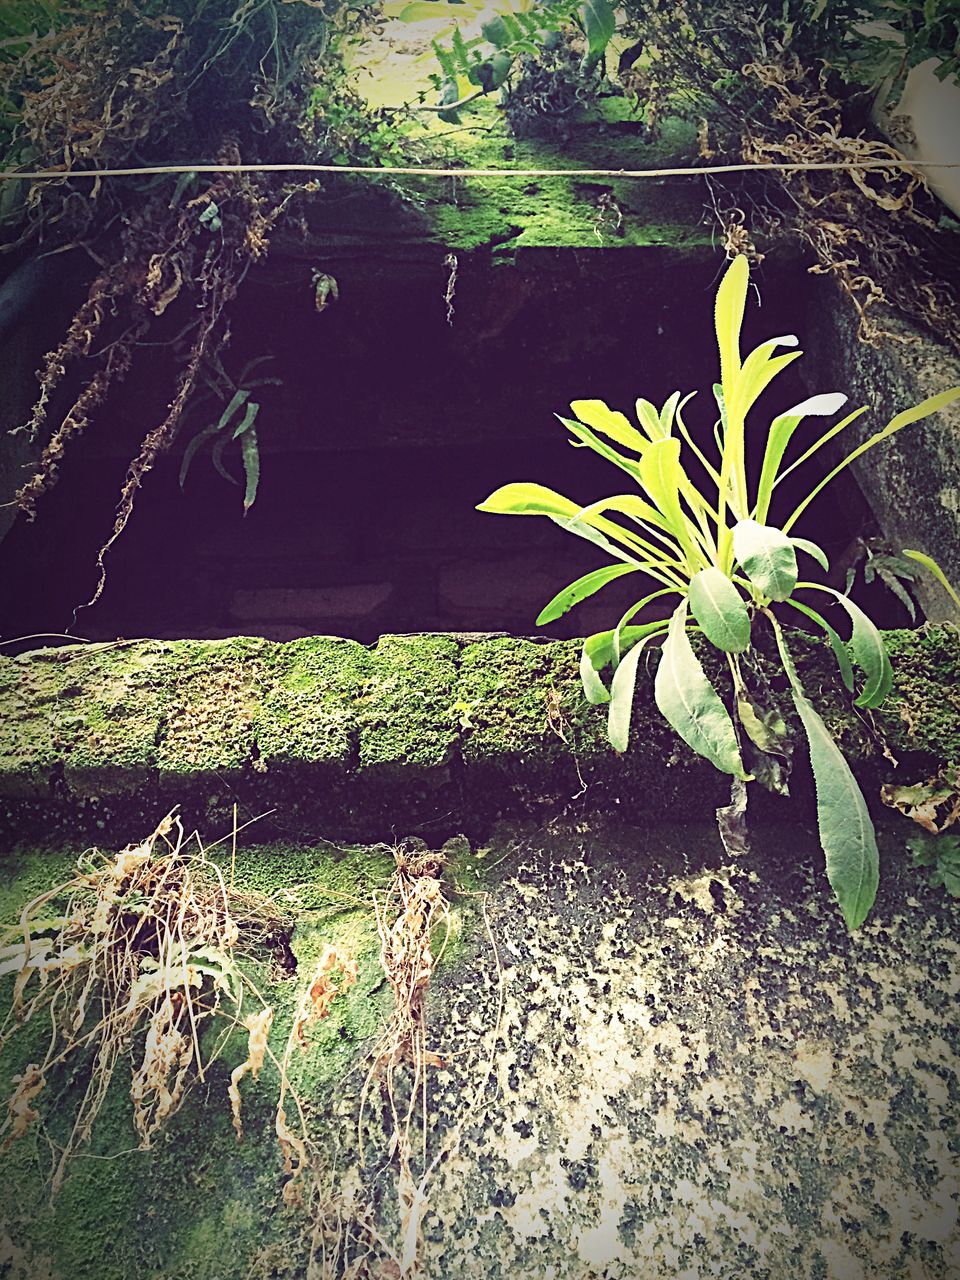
251, 465
216, 457
690, 704
609, 422
846, 832
600, 651
719, 610
621, 696
527, 499
836, 644
767, 556
728, 319
778, 437
932, 404
190, 451
660, 474
931, 566
599, 25
580, 590
811, 548
869, 651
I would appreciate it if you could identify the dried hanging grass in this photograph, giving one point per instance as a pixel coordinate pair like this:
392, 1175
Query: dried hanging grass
139, 956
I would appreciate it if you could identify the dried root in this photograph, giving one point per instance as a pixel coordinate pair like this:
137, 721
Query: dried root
139, 957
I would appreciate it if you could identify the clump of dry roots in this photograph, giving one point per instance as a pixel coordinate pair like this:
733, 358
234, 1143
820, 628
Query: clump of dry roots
871, 229
111, 86
136, 955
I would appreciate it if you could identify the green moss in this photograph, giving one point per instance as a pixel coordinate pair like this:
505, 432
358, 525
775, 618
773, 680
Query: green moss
566, 212
406, 712
198, 1204
118, 716
30, 743
328, 733
307, 716
924, 711
213, 691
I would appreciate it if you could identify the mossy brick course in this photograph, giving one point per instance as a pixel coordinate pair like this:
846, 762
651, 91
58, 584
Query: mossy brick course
358, 737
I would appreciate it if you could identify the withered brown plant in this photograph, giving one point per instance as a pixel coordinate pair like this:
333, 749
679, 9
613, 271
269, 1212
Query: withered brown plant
142, 82
135, 957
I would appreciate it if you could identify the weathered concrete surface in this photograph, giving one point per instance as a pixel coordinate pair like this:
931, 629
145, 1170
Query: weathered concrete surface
912, 480
694, 1072
421, 727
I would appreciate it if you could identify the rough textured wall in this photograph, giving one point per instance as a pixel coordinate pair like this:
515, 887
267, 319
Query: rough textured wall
430, 731
911, 480
650, 1062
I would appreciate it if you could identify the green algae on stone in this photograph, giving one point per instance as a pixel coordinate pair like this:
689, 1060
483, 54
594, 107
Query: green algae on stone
212, 692
307, 717
406, 712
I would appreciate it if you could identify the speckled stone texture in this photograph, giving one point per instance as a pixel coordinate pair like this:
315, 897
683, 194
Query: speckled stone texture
650, 1063
699, 1074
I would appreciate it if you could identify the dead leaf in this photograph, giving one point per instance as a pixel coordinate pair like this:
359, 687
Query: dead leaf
21, 1114
934, 804
258, 1029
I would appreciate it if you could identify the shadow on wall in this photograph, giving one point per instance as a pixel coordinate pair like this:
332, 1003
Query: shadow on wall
388, 427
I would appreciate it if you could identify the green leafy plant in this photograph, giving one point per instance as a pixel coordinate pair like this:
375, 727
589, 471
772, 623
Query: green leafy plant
481, 60
238, 421
712, 548
942, 855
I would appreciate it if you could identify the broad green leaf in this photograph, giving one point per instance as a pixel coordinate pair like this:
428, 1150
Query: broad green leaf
932, 404
599, 652
691, 705
594, 690
758, 371
661, 475
719, 610
811, 548
527, 499
667, 413
846, 832
836, 644
728, 319
599, 24
931, 565
778, 437
869, 651
621, 696
580, 590
609, 422
649, 419
767, 556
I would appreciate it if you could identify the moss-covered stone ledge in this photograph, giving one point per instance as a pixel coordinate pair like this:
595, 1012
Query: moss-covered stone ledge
418, 729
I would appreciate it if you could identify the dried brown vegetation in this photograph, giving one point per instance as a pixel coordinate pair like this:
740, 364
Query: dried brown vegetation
134, 958
112, 85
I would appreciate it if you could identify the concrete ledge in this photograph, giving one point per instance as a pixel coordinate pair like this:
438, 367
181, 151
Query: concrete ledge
417, 727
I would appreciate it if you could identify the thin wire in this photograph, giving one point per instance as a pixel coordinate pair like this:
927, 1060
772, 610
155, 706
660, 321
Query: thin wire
424, 171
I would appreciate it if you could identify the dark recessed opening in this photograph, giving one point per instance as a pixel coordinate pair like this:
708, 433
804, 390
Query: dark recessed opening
390, 425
